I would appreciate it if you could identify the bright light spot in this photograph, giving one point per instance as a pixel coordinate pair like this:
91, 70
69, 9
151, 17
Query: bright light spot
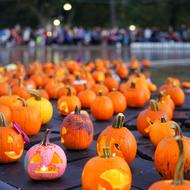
67, 6
43, 168
49, 34
132, 27
56, 22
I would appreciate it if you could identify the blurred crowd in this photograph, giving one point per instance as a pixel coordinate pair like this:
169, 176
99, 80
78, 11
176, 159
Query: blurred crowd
95, 36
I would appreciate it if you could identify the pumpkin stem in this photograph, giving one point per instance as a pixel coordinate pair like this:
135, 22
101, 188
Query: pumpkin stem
100, 93
163, 120
3, 121
78, 77
133, 84
20, 82
118, 121
113, 89
45, 140
23, 101
69, 91
77, 110
106, 152
177, 128
153, 105
10, 92
35, 94
179, 170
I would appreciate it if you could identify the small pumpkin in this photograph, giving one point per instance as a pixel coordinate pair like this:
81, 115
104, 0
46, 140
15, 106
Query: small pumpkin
102, 107
178, 182
43, 105
86, 97
167, 153
100, 87
66, 104
77, 131
153, 113
118, 101
106, 172
136, 96
159, 130
98, 76
122, 70
11, 142
111, 83
119, 139
64, 90
28, 118
45, 161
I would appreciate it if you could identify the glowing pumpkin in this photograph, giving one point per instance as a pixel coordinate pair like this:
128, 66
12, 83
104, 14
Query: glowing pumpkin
106, 172
45, 161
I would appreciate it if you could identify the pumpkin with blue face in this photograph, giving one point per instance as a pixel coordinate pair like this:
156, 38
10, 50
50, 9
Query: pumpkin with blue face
77, 131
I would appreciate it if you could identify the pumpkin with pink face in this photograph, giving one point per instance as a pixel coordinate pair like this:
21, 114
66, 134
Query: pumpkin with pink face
45, 161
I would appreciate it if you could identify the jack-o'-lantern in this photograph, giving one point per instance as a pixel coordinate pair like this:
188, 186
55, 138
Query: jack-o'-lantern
167, 153
178, 182
11, 142
45, 161
106, 172
77, 131
44, 106
119, 139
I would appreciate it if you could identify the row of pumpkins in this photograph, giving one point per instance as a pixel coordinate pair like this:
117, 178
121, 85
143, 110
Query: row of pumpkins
95, 86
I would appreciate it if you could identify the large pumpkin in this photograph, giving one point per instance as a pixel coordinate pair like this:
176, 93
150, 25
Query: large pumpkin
118, 101
77, 131
28, 117
44, 106
119, 139
152, 113
45, 161
167, 153
178, 182
106, 172
102, 107
11, 142
66, 104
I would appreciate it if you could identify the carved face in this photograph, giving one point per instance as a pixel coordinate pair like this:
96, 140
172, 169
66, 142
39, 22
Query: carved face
11, 144
45, 162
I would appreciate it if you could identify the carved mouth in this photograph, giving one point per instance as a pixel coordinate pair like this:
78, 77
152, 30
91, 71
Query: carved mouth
46, 170
13, 154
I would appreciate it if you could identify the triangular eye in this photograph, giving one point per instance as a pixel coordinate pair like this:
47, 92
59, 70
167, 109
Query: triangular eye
56, 159
36, 159
10, 139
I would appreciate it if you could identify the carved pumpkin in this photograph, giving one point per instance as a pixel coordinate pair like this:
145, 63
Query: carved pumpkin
86, 97
106, 172
178, 182
45, 161
77, 131
28, 118
167, 153
67, 104
159, 130
100, 87
136, 96
163, 106
43, 105
102, 107
11, 142
119, 139
118, 101
153, 113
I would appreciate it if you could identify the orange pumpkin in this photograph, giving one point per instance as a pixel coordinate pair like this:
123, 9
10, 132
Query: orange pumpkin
119, 139
106, 172
167, 153
118, 101
162, 106
77, 131
122, 71
102, 107
98, 76
159, 130
39, 79
152, 113
4, 88
12, 144
64, 90
178, 182
66, 104
111, 83
43, 93
86, 97
28, 118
